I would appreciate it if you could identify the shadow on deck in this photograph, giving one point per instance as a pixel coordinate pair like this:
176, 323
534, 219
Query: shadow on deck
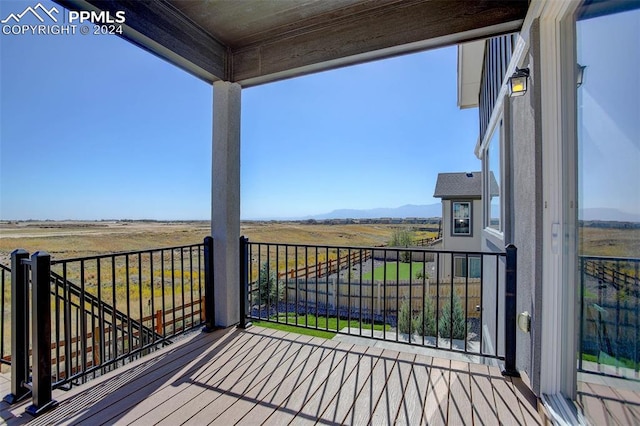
263, 376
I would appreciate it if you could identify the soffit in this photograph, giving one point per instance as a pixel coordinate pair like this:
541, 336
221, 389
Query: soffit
254, 42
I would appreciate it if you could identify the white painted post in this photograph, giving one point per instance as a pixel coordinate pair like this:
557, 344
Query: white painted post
225, 201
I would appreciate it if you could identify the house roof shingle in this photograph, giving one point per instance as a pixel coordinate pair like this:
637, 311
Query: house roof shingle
462, 185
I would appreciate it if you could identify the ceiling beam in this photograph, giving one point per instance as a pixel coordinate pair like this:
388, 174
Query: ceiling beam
158, 27
389, 30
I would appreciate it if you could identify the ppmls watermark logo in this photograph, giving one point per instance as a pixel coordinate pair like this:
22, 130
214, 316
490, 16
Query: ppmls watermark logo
53, 22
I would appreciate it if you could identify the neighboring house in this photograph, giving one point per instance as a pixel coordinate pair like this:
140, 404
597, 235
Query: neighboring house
577, 57
462, 221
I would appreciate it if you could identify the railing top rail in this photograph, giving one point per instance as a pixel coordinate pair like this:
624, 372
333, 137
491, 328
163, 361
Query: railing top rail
378, 248
610, 258
6, 268
124, 253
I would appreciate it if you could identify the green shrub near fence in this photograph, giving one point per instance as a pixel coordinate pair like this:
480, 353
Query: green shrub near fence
425, 322
452, 321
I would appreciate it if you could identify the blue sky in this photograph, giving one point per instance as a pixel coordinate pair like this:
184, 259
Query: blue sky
92, 127
609, 112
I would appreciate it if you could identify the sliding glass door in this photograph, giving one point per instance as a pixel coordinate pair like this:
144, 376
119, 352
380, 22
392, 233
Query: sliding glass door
608, 162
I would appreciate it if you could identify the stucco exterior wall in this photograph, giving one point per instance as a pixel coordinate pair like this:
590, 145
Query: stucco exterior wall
526, 207
523, 209
462, 243
459, 243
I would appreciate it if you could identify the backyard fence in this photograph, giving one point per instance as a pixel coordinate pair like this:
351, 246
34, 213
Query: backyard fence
407, 295
610, 316
378, 296
324, 268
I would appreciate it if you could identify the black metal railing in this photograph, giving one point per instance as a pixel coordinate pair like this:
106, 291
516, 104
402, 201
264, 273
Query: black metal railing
92, 314
610, 316
5, 315
447, 300
111, 307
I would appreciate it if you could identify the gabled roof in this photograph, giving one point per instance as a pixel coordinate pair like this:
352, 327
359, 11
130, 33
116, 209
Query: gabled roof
462, 185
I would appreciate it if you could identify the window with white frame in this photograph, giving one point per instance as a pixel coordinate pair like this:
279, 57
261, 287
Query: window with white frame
467, 266
493, 180
461, 218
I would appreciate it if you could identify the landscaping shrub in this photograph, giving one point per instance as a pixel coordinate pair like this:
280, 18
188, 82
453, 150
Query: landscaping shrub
404, 317
425, 321
269, 292
421, 275
457, 331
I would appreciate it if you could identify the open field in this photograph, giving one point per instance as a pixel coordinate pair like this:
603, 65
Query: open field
72, 239
609, 242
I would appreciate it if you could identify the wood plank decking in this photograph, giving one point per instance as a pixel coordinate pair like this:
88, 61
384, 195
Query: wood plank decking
263, 376
617, 403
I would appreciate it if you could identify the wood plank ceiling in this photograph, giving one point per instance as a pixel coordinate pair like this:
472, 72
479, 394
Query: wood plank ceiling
258, 41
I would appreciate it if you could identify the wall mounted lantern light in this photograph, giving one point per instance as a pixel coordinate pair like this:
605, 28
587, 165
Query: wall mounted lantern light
518, 82
580, 74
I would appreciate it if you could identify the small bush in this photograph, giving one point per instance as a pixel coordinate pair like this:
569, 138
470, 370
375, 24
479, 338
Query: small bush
425, 322
452, 326
422, 275
404, 317
402, 238
269, 291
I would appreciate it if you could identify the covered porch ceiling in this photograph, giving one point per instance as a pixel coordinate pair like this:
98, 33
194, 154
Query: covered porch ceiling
253, 42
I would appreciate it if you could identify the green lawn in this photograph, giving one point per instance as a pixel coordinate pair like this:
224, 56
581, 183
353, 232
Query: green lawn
609, 360
332, 324
294, 329
392, 271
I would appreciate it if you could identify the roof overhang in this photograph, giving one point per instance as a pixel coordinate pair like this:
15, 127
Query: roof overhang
470, 58
254, 42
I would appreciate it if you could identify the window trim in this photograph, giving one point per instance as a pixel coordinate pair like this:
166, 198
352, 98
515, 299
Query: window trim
486, 178
467, 265
470, 233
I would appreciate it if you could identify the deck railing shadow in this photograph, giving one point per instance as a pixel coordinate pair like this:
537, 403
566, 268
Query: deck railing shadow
77, 319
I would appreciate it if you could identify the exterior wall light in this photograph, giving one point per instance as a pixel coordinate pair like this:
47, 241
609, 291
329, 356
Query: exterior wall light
580, 74
518, 82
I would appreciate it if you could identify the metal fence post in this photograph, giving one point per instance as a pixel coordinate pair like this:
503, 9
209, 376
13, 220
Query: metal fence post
19, 327
209, 301
244, 282
41, 337
510, 307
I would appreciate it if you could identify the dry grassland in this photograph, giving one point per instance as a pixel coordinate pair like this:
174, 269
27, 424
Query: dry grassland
609, 242
74, 239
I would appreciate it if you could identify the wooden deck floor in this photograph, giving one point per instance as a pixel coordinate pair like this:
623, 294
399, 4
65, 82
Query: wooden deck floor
608, 403
262, 376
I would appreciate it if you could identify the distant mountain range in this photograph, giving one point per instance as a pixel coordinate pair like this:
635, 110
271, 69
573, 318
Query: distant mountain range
408, 210
435, 210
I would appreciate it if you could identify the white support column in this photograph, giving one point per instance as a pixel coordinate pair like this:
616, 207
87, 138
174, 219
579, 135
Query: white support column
225, 201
